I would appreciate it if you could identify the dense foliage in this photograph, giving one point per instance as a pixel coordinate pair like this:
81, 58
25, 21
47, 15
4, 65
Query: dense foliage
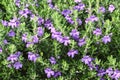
59, 39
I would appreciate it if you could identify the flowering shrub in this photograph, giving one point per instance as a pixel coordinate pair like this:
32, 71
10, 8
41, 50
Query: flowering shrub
59, 40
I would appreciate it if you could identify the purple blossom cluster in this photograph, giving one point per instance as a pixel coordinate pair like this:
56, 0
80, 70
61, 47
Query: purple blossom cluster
106, 38
111, 8
66, 13
5, 41
14, 60
33, 39
52, 60
49, 72
81, 42
24, 38
25, 12
79, 7
50, 4
40, 21
72, 53
15, 22
56, 34
12, 23
102, 9
88, 61
4, 23
97, 31
79, 21
33, 56
11, 33
74, 34
17, 3
69, 19
113, 74
92, 18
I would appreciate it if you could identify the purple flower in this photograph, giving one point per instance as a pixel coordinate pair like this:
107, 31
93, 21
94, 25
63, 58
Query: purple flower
101, 72
17, 65
52, 60
109, 71
91, 66
69, 19
24, 37
56, 34
66, 40
49, 72
18, 53
76, 1
79, 21
48, 24
35, 39
72, 53
25, 12
5, 41
17, 3
92, 18
51, 5
79, 7
106, 39
29, 44
96, 67
52, 30
60, 39
87, 60
4, 23
12, 58
116, 75
97, 31
0, 50
81, 42
102, 9
57, 73
32, 56
40, 21
40, 31
49, 1
14, 22
11, 33
87, 20
66, 12
32, 16
74, 34
111, 8
9, 65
